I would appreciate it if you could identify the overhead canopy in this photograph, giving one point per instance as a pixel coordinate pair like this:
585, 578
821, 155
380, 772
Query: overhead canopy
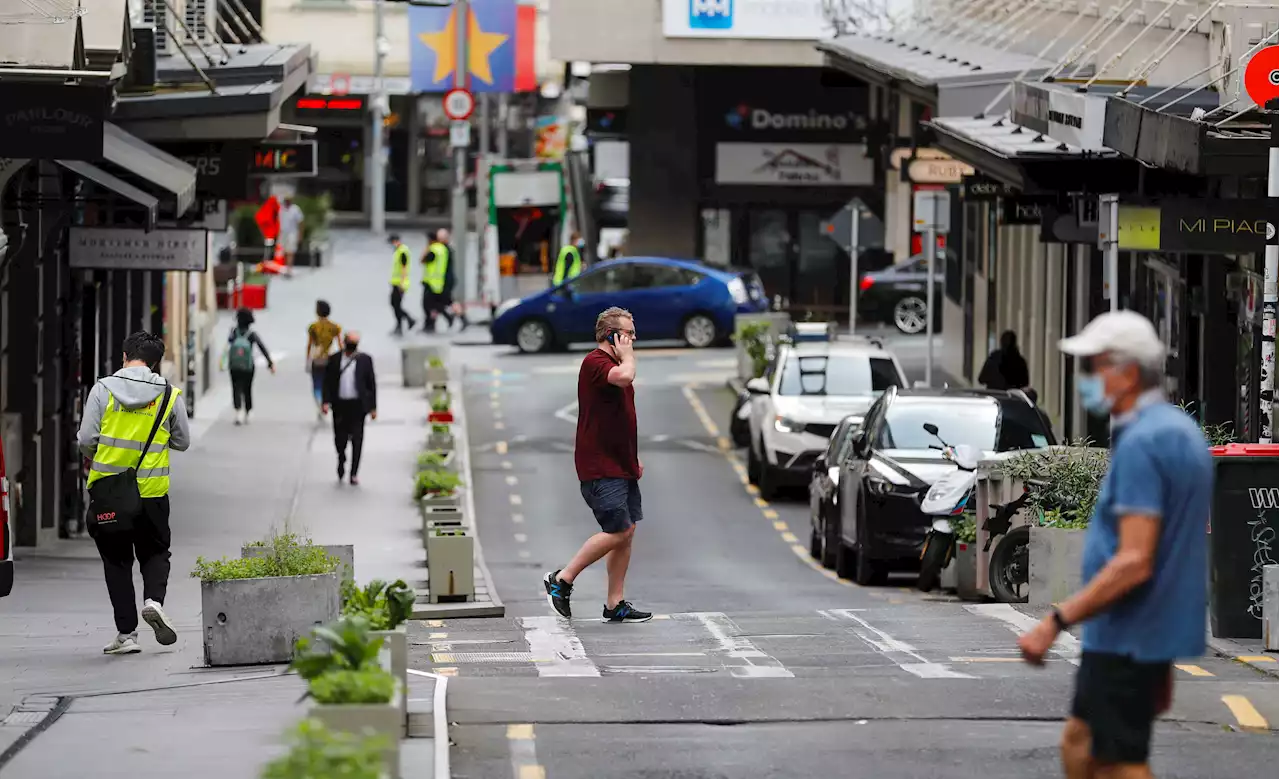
174, 177
123, 188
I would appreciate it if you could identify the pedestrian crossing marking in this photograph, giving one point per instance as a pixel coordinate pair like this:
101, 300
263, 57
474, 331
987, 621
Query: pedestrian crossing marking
524, 732
1244, 712
486, 657
553, 637
756, 663
900, 652
1194, 670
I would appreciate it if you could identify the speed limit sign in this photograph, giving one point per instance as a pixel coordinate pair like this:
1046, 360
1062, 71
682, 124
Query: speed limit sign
458, 104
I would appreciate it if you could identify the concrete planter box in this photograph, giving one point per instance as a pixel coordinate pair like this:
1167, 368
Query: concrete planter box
451, 500
413, 363
383, 719
439, 516
966, 566
436, 377
257, 621
450, 565
440, 442
1055, 558
778, 322
396, 646
346, 554
947, 578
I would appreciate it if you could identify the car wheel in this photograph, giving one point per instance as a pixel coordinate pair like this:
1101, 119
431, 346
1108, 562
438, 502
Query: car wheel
815, 544
753, 465
766, 481
830, 543
534, 336
699, 331
868, 572
909, 315
845, 566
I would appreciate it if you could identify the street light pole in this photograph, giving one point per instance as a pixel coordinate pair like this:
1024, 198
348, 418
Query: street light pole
855, 223
931, 255
377, 170
1110, 214
461, 68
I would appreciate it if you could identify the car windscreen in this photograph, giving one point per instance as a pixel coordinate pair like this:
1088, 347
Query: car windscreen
837, 374
979, 424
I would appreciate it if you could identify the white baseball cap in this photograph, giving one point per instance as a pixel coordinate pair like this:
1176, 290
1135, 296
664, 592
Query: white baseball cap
1121, 333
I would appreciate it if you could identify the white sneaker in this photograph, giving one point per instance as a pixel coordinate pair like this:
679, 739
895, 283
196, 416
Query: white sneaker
153, 614
125, 644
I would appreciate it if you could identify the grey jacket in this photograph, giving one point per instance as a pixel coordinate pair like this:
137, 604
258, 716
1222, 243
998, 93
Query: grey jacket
131, 387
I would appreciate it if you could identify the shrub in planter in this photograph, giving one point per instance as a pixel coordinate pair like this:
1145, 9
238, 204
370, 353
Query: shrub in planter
431, 460
437, 373
436, 485
441, 408
315, 751
753, 339
966, 559
345, 553
441, 437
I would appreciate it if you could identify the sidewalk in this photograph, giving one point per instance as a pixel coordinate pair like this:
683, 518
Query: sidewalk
160, 713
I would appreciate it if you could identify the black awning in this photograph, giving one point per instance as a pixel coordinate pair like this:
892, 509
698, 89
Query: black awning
1183, 144
174, 177
123, 188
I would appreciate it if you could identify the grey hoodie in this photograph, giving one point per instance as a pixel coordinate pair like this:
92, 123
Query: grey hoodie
131, 387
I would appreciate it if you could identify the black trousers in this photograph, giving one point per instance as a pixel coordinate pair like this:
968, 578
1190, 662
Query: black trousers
348, 426
149, 541
397, 308
242, 389
435, 304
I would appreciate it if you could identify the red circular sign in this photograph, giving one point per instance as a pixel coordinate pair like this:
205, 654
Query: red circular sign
1262, 75
458, 104
340, 84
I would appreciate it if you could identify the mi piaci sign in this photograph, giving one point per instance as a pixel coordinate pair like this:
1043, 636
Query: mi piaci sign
1200, 226
51, 121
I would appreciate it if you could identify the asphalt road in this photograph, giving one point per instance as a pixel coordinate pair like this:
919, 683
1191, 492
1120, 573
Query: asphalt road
759, 663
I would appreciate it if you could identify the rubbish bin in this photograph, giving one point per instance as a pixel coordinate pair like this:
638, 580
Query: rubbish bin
1242, 536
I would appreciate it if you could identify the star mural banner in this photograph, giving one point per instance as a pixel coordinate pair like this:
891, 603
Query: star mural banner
500, 43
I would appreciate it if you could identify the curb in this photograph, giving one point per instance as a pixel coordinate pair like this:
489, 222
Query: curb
32, 717
1232, 650
439, 723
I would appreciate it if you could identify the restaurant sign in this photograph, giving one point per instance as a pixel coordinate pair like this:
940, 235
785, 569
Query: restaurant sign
278, 159
118, 249
1200, 226
52, 121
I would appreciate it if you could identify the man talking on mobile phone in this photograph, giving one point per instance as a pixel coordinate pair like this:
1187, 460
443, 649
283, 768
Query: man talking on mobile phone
608, 464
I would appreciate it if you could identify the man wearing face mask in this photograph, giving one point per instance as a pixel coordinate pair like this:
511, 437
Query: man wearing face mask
351, 390
1145, 555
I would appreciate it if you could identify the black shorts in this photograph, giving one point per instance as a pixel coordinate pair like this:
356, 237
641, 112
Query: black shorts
615, 502
1119, 699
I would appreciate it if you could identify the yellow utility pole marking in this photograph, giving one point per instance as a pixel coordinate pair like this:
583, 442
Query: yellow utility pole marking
1194, 670
1244, 712
779, 524
520, 732
790, 538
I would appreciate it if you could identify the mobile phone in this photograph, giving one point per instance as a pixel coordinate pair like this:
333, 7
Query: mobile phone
613, 335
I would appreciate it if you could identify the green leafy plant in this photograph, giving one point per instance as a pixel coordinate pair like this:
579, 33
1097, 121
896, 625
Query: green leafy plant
1073, 474
440, 428
315, 752
317, 211
1215, 435
290, 556
435, 483
369, 685
965, 527
435, 362
432, 461
385, 606
441, 402
754, 338
344, 645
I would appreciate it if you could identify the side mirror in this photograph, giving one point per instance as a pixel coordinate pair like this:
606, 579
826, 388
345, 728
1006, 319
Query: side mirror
758, 386
931, 428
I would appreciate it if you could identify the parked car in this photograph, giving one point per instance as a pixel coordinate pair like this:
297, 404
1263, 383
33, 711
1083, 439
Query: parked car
806, 391
824, 483
669, 298
613, 201
879, 527
897, 295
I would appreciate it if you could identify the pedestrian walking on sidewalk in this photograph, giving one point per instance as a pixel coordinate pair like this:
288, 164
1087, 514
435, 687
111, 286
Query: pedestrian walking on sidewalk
1005, 368
438, 281
1145, 555
291, 219
240, 345
122, 413
351, 390
608, 464
400, 272
322, 341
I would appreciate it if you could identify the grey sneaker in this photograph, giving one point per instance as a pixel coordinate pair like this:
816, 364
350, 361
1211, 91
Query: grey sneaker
125, 644
153, 614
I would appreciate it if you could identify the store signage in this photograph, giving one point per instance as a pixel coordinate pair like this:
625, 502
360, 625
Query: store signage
797, 164
745, 19
52, 121
279, 159
1200, 226
938, 171
746, 117
113, 249
1021, 211
983, 188
1070, 117
343, 104
903, 154
222, 170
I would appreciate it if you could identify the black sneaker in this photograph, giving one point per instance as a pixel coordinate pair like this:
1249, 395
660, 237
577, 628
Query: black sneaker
558, 593
625, 612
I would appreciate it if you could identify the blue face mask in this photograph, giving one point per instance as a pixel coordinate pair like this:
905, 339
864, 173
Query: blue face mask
1093, 395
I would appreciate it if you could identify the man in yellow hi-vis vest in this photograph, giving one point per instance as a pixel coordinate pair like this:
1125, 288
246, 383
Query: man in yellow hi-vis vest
118, 417
437, 281
569, 263
400, 283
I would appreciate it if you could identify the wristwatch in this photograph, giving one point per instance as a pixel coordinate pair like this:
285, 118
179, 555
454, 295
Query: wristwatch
1059, 620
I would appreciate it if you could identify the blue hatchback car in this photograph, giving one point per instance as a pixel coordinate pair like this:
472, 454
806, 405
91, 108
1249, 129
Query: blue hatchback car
669, 298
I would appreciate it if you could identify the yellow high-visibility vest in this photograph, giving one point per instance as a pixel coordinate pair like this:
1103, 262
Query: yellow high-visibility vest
400, 268
434, 269
120, 439
573, 268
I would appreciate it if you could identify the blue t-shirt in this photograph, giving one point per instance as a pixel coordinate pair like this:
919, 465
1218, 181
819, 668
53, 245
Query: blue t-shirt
1160, 466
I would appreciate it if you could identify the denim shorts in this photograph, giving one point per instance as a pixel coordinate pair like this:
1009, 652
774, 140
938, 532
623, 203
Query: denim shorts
615, 502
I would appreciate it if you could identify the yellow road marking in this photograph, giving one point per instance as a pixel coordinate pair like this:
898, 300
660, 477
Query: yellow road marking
779, 524
770, 514
1256, 659
447, 671
800, 550
762, 503
496, 372
443, 657
520, 732
753, 489
1194, 670
532, 772
499, 425
435, 623
895, 601
724, 444
1244, 712
500, 447
438, 636
790, 538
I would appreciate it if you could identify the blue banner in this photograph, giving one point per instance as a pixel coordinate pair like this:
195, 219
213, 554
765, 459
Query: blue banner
491, 44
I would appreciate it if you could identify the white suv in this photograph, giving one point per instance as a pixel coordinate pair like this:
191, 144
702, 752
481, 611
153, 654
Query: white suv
806, 391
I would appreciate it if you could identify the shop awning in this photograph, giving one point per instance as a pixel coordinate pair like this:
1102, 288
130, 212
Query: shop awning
122, 188
174, 177
1227, 146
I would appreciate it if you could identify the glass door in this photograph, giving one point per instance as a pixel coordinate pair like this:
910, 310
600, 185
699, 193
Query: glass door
770, 250
797, 261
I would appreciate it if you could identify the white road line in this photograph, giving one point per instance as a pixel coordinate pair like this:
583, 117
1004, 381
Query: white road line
506, 464
756, 664
512, 481
901, 653
553, 638
521, 538
1067, 646
517, 518
653, 654
657, 439
568, 413
516, 500
524, 554
553, 369
698, 446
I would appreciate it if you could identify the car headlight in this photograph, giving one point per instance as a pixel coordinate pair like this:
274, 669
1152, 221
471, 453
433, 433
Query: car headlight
784, 425
738, 291
506, 306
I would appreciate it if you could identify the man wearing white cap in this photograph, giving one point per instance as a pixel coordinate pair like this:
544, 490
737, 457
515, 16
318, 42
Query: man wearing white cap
1145, 555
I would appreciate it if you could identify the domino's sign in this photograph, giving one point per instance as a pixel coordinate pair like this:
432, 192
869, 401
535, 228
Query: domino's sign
745, 19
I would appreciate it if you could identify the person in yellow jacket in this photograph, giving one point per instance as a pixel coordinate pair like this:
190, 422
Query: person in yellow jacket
400, 283
118, 416
438, 276
569, 262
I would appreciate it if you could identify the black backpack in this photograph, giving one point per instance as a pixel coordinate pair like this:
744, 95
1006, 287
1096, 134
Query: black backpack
114, 500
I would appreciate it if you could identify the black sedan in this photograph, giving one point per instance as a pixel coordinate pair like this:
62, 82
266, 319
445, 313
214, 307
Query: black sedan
897, 295
879, 528
824, 484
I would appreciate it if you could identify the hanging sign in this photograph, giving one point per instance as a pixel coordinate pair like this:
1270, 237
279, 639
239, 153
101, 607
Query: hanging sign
117, 249
280, 159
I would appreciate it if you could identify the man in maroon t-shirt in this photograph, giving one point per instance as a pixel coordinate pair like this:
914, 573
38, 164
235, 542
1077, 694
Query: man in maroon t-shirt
608, 465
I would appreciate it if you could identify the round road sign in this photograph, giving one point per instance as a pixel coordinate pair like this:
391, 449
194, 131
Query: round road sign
1262, 75
458, 104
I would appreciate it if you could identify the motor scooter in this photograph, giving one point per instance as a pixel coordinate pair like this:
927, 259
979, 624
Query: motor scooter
948, 497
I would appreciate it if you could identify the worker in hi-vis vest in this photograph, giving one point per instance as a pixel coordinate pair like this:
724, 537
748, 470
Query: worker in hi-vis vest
121, 411
437, 281
569, 262
400, 283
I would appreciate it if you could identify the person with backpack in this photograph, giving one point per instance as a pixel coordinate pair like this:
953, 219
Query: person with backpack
240, 362
132, 420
